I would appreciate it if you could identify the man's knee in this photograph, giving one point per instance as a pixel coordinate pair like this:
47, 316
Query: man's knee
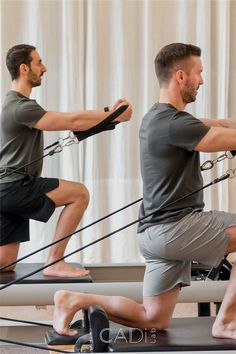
83, 196
159, 322
69, 193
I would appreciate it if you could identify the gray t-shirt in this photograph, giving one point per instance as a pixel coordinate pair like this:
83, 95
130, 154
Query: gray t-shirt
170, 166
20, 143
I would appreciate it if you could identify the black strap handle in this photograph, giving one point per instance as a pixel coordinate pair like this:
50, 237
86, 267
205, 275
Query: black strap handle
107, 124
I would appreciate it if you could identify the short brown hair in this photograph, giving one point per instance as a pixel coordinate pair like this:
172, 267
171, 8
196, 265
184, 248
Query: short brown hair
17, 55
171, 57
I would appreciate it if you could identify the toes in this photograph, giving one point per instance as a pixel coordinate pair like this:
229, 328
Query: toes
69, 332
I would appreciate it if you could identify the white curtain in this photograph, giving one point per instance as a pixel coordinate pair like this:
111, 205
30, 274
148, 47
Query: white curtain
97, 51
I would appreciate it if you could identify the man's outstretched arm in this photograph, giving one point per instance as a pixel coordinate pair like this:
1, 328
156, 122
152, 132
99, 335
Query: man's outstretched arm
80, 120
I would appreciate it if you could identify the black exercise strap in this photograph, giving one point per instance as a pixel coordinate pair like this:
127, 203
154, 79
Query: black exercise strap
106, 124
215, 181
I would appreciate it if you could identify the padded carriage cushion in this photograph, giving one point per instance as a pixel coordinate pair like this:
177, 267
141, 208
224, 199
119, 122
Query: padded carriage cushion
26, 268
185, 334
53, 338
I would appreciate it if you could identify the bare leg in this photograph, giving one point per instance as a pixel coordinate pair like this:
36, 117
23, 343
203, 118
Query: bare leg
8, 254
75, 198
225, 323
155, 312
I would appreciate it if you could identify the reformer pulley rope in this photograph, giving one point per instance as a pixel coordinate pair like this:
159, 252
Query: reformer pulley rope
29, 345
106, 124
215, 181
26, 322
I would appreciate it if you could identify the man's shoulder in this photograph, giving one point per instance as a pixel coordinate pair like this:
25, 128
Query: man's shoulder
13, 100
159, 114
185, 118
20, 109
160, 107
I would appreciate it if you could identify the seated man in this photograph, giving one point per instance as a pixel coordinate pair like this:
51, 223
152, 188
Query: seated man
24, 194
169, 240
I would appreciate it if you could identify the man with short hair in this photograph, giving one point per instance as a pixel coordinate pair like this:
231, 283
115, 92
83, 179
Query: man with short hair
24, 194
170, 142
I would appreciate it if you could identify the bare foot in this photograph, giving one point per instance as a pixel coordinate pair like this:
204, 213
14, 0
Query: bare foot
64, 270
66, 305
223, 329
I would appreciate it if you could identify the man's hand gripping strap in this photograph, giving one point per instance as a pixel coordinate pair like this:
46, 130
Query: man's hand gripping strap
106, 124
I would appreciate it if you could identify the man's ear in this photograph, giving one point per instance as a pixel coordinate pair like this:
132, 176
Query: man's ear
180, 76
24, 68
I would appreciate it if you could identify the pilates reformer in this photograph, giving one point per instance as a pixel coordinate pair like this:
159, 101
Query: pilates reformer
93, 330
119, 279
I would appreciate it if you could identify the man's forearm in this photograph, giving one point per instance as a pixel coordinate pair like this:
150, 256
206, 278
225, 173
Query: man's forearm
224, 123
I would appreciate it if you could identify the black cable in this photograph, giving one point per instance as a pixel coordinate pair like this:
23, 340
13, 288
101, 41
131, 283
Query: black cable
67, 236
18, 170
34, 346
25, 321
217, 180
50, 146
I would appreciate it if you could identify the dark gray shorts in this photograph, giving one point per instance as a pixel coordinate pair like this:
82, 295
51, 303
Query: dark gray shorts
23, 200
169, 248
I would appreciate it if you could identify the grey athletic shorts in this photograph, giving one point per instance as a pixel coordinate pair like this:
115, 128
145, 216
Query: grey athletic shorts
169, 248
23, 200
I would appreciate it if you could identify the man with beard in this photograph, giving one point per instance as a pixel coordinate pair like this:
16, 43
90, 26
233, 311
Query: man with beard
170, 142
24, 194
